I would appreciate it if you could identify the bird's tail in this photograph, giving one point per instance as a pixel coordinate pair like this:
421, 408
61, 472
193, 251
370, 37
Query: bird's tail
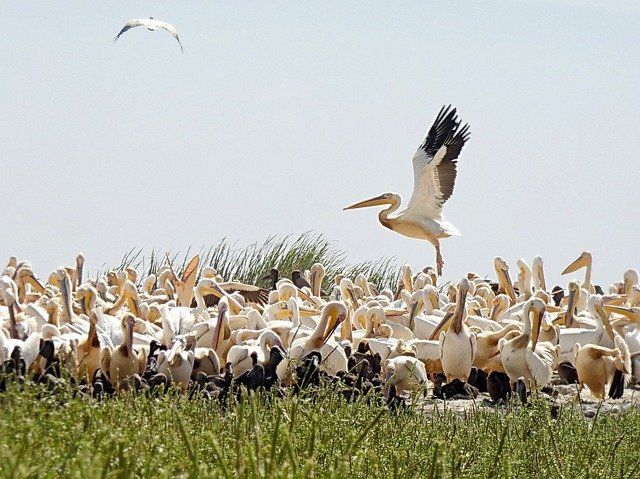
449, 228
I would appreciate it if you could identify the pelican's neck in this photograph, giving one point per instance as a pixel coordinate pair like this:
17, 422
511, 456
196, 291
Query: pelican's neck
295, 313
66, 300
113, 310
317, 275
264, 337
383, 216
368, 322
587, 278
526, 318
91, 300
345, 328
129, 339
201, 305
318, 332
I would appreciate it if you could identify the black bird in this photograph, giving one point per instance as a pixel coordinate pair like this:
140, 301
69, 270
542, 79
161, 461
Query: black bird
273, 276
308, 373
158, 383
299, 280
568, 372
219, 385
394, 401
100, 385
616, 390
498, 386
478, 379
557, 293
47, 352
252, 379
276, 355
455, 389
376, 367
521, 390
18, 359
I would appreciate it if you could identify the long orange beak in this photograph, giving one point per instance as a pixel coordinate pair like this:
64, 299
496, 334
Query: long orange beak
581, 262
377, 201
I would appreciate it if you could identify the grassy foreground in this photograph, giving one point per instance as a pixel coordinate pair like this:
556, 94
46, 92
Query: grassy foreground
46, 435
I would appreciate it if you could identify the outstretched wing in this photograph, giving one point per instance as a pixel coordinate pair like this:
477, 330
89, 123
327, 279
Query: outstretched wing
434, 164
127, 26
172, 30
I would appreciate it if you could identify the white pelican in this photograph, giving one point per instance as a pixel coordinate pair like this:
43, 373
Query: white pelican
405, 373
152, 25
583, 261
123, 362
596, 365
601, 335
504, 280
333, 356
239, 355
434, 175
537, 268
529, 359
458, 344
177, 363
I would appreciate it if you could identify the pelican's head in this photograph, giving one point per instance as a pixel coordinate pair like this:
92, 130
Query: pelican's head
348, 292
336, 312
582, 261
317, 272
630, 280
537, 306
383, 199
498, 304
537, 268
595, 306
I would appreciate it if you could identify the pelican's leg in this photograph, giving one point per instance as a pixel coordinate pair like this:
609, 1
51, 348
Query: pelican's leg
439, 261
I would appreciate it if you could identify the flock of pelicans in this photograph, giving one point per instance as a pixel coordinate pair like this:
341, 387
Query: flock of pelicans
199, 334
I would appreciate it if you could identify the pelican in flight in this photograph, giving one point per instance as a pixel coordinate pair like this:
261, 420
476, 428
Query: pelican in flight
434, 175
152, 25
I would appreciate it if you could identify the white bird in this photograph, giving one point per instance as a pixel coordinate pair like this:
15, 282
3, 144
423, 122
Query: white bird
458, 343
434, 175
152, 25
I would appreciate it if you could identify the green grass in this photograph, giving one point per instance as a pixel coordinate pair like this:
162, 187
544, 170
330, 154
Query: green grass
61, 435
249, 264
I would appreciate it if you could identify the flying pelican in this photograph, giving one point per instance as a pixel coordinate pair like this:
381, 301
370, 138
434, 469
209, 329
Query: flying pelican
434, 175
152, 25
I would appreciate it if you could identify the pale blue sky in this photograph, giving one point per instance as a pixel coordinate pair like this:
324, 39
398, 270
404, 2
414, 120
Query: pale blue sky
280, 114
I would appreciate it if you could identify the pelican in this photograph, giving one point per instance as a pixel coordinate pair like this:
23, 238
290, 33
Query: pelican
537, 268
405, 373
240, 355
583, 261
458, 344
333, 356
596, 366
529, 359
177, 363
123, 362
152, 25
434, 175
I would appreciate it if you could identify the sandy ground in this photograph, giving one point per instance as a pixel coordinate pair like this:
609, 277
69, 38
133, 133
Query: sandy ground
563, 395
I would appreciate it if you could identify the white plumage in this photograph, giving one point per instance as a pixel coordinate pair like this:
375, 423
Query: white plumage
152, 25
